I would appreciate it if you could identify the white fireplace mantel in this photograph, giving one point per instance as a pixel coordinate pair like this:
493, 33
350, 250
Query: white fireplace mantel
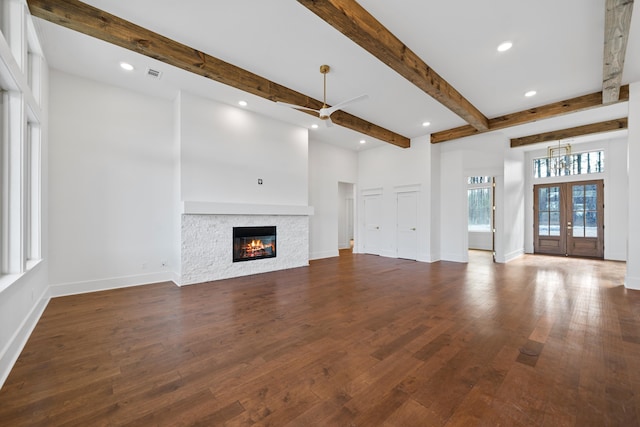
215, 208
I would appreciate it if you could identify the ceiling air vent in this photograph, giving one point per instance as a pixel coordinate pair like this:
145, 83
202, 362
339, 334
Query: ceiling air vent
154, 74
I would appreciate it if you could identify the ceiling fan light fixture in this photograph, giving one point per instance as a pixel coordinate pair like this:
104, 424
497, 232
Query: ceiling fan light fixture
325, 112
505, 46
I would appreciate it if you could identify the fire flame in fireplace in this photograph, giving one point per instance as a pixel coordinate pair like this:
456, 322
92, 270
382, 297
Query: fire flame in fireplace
256, 245
255, 248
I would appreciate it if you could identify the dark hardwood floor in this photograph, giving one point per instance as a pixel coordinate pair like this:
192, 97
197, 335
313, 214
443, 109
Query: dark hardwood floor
358, 340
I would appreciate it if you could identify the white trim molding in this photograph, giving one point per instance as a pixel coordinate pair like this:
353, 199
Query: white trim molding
215, 208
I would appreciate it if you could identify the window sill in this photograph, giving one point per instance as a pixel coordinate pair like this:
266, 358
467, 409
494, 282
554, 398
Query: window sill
7, 280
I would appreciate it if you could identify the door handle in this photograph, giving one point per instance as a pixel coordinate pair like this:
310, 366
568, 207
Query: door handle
413, 229
377, 228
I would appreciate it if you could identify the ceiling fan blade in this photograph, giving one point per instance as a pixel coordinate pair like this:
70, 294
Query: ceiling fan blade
345, 103
297, 107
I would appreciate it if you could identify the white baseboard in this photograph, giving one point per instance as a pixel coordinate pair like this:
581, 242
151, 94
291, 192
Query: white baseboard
324, 254
177, 279
388, 254
620, 256
63, 289
513, 255
632, 283
461, 257
19, 339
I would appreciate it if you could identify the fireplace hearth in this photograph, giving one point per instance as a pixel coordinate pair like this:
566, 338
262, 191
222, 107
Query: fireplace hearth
253, 243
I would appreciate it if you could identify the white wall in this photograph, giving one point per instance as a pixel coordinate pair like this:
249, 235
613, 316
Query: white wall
615, 192
512, 207
224, 150
434, 209
328, 165
633, 256
453, 206
111, 182
391, 168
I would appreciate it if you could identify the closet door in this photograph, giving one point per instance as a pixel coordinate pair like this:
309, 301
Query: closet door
407, 236
372, 217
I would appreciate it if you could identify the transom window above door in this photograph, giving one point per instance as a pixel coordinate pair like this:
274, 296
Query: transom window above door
570, 164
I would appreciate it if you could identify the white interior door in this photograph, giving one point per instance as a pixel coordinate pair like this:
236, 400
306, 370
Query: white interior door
407, 212
372, 216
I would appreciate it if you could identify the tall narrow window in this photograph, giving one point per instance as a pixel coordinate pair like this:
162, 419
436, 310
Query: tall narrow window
479, 203
33, 193
4, 249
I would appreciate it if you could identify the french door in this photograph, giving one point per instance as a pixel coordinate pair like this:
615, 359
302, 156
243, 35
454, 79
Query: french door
569, 219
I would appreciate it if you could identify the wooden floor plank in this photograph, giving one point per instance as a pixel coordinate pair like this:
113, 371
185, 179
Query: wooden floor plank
353, 340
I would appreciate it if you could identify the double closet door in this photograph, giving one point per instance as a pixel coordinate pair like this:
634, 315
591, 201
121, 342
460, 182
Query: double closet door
569, 219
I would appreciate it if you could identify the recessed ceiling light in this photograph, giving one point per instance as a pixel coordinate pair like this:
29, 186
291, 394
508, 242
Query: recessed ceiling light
314, 126
242, 103
530, 93
362, 141
425, 124
504, 46
126, 66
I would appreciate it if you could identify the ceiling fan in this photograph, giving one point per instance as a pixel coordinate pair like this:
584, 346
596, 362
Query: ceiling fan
325, 112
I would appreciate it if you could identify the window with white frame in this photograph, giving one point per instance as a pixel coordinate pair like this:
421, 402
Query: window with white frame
480, 204
21, 74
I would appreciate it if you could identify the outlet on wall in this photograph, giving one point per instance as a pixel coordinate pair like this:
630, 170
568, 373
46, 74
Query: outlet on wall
164, 263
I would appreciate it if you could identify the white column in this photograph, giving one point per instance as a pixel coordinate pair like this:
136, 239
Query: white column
633, 240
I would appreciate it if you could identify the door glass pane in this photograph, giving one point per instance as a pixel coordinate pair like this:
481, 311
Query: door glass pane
543, 199
554, 223
554, 198
578, 224
591, 197
543, 223
591, 228
578, 197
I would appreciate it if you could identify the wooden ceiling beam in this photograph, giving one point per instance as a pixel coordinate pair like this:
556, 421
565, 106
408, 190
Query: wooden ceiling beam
616, 34
352, 20
557, 135
555, 109
97, 23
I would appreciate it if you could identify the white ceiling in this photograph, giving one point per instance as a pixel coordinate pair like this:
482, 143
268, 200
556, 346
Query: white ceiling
558, 49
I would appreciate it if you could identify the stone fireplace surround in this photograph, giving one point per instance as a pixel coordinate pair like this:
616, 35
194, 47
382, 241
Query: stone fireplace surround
207, 239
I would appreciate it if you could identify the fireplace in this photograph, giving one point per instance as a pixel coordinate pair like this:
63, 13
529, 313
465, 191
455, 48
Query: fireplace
251, 243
